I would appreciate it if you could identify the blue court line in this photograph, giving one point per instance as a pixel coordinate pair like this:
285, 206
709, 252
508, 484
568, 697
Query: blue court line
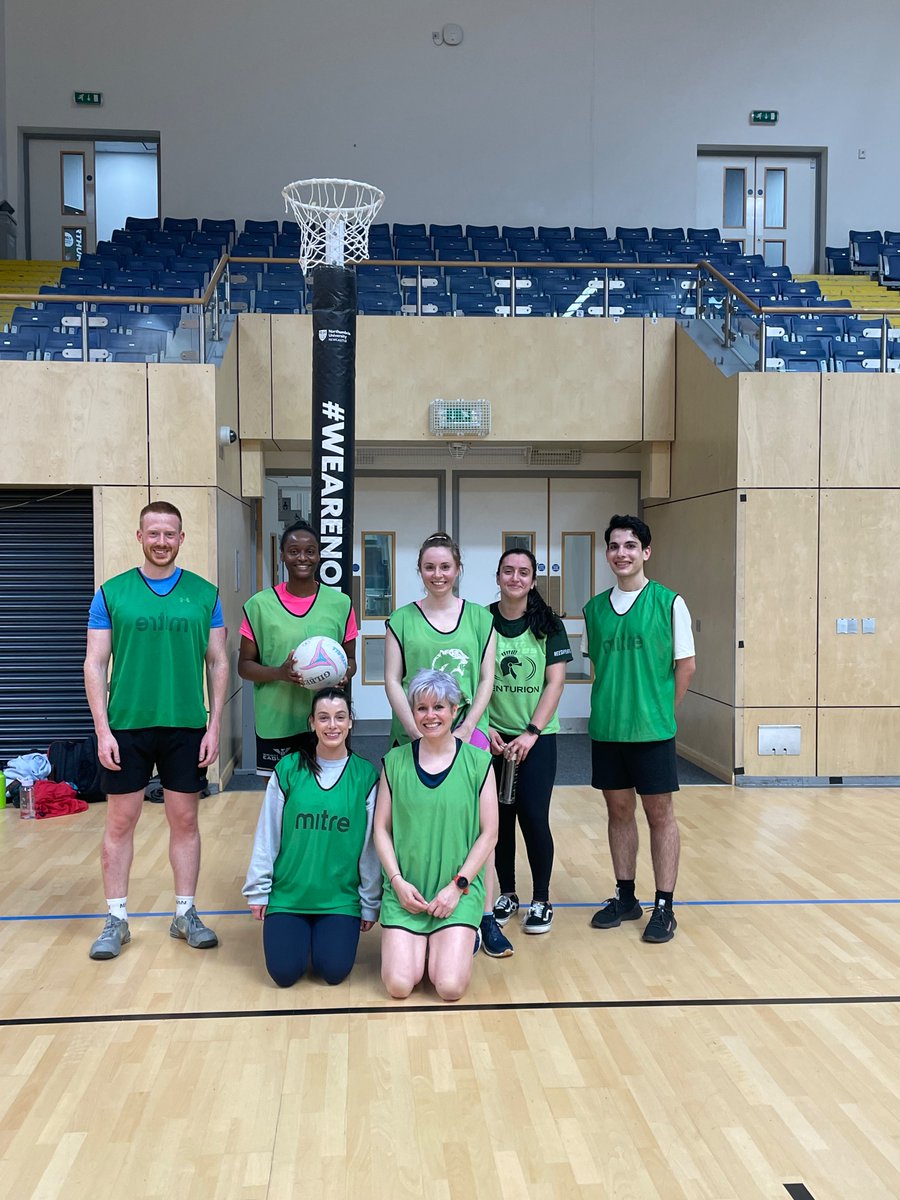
241, 912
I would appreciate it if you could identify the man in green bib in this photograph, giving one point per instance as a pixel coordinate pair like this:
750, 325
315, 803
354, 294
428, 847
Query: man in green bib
638, 637
159, 624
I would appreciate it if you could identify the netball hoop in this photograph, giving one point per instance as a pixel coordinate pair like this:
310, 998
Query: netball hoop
334, 216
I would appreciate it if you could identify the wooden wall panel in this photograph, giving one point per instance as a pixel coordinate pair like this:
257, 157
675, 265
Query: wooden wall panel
182, 423
253, 469
777, 619
704, 454
74, 423
694, 553
292, 376
198, 514
228, 458
859, 430
778, 765
706, 734
116, 513
254, 345
656, 470
859, 741
234, 528
778, 430
859, 577
659, 380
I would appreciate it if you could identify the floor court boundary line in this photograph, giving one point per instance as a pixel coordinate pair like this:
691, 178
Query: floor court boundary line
647, 906
400, 1009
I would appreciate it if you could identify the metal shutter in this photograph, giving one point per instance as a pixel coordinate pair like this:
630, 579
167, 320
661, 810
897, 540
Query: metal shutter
46, 585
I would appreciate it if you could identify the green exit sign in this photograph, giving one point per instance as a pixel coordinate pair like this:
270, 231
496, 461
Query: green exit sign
88, 97
764, 116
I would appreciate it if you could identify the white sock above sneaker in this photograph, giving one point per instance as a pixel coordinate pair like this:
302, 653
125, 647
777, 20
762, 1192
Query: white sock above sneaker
118, 907
182, 904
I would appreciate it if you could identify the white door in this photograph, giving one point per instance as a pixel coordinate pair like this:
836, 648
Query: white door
768, 202
393, 517
61, 199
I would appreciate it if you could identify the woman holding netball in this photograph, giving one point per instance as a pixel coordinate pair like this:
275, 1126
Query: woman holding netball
532, 652
314, 878
443, 632
435, 826
275, 621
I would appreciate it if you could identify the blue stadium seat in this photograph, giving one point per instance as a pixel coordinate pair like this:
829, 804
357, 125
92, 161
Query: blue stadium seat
434, 304
445, 230
488, 231
117, 250
477, 306
142, 224
459, 285
669, 235
837, 259
804, 328
159, 237
18, 346
375, 303
443, 241
259, 227
456, 255
865, 247
405, 230
812, 355
807, 290
704, 237
148, 344
518, 231
223, 229
71, 276
554, 233
278, 300
590, 233
856, 356
186, 225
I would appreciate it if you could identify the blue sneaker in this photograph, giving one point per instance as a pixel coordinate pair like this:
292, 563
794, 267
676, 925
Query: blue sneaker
477, 942
493, 941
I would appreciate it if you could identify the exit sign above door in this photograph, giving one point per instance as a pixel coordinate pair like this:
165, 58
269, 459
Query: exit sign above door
764, 116
88, 97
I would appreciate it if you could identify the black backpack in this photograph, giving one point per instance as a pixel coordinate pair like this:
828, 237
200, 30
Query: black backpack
75, 761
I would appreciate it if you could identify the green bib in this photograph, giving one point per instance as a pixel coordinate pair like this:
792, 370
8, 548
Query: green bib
282, 709
323, 832
459, 653
158, 647
518, 683
633, 695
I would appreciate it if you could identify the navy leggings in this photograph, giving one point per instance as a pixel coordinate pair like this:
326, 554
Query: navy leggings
534, 787
291, 939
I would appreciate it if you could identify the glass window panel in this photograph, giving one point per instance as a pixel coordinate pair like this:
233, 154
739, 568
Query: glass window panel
518, 541
373, 660
773, 253
73, 244
378, 573
72, 185
775, 197
579, 669
733, 208
577, 572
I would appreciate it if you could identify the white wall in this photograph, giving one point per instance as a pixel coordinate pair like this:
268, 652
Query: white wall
126, 186
583, 111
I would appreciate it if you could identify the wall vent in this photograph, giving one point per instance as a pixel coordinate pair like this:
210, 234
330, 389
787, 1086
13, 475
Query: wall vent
537, 456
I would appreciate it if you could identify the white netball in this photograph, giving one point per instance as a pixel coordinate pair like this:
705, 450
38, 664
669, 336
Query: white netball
320, 662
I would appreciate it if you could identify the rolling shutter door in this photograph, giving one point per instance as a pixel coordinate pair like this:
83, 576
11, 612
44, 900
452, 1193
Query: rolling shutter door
46, 585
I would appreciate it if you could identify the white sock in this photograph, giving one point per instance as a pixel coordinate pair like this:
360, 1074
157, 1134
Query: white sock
117, 907
182, 904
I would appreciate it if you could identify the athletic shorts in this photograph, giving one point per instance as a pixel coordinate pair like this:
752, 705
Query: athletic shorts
270, 751
648, 767
174, 752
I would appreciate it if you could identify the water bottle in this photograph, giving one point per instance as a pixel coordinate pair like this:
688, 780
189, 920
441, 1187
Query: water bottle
2, 790
26, 800
507, 793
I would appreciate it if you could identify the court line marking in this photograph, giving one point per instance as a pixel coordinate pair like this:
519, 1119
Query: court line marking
368, 1010
647, 906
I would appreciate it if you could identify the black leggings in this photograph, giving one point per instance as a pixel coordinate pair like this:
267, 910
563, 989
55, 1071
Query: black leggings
291, 939
534, 786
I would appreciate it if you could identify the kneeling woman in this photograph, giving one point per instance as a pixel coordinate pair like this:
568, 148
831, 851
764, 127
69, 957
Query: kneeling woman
435, 825
314, 878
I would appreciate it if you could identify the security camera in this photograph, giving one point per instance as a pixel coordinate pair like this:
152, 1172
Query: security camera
227, 436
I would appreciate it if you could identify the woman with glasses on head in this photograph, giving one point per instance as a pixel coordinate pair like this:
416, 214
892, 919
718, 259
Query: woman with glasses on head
275, 621
314, 879
532, 652
435, 827
443, 632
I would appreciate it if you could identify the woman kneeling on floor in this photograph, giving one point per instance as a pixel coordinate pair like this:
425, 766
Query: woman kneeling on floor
435, 825
314, 879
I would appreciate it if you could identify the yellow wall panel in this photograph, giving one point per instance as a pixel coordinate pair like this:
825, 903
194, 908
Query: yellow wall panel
777, 603
234, 529
74, 423
704, 454
656, 470
859, 668
859, 430
228, 458
253, 332
778, 430
197, 506
182, 416
777, 765
859, 741
253, 469
116, 513
659, 380
292, 376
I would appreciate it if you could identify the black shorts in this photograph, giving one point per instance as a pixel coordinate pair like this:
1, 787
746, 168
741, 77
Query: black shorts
174, 752
270, 751
648, 767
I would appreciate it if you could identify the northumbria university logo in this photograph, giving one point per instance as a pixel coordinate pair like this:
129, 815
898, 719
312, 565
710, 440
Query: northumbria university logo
453, 661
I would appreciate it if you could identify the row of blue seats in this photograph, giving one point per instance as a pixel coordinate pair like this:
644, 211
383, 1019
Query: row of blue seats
37, 325
850, 329
103, 345
829, 354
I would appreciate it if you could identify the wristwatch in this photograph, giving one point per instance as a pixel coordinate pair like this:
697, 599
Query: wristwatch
462, 883
533, 729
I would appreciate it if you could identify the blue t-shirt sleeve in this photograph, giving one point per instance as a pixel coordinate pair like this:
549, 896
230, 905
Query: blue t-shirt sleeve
217, 620
98, 616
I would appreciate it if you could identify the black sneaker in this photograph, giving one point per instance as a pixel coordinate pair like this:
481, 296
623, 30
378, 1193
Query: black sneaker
493, 942
614, 912
507, 906
662, 924
539, 918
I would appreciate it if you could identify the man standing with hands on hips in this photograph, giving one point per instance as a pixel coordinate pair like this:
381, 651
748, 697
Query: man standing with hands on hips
160, 625
638, 637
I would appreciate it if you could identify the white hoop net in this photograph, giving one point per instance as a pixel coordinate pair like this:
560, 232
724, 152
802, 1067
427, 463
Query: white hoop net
334, 216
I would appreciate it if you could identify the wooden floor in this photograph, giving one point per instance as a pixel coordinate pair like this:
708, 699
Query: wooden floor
759, 1050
